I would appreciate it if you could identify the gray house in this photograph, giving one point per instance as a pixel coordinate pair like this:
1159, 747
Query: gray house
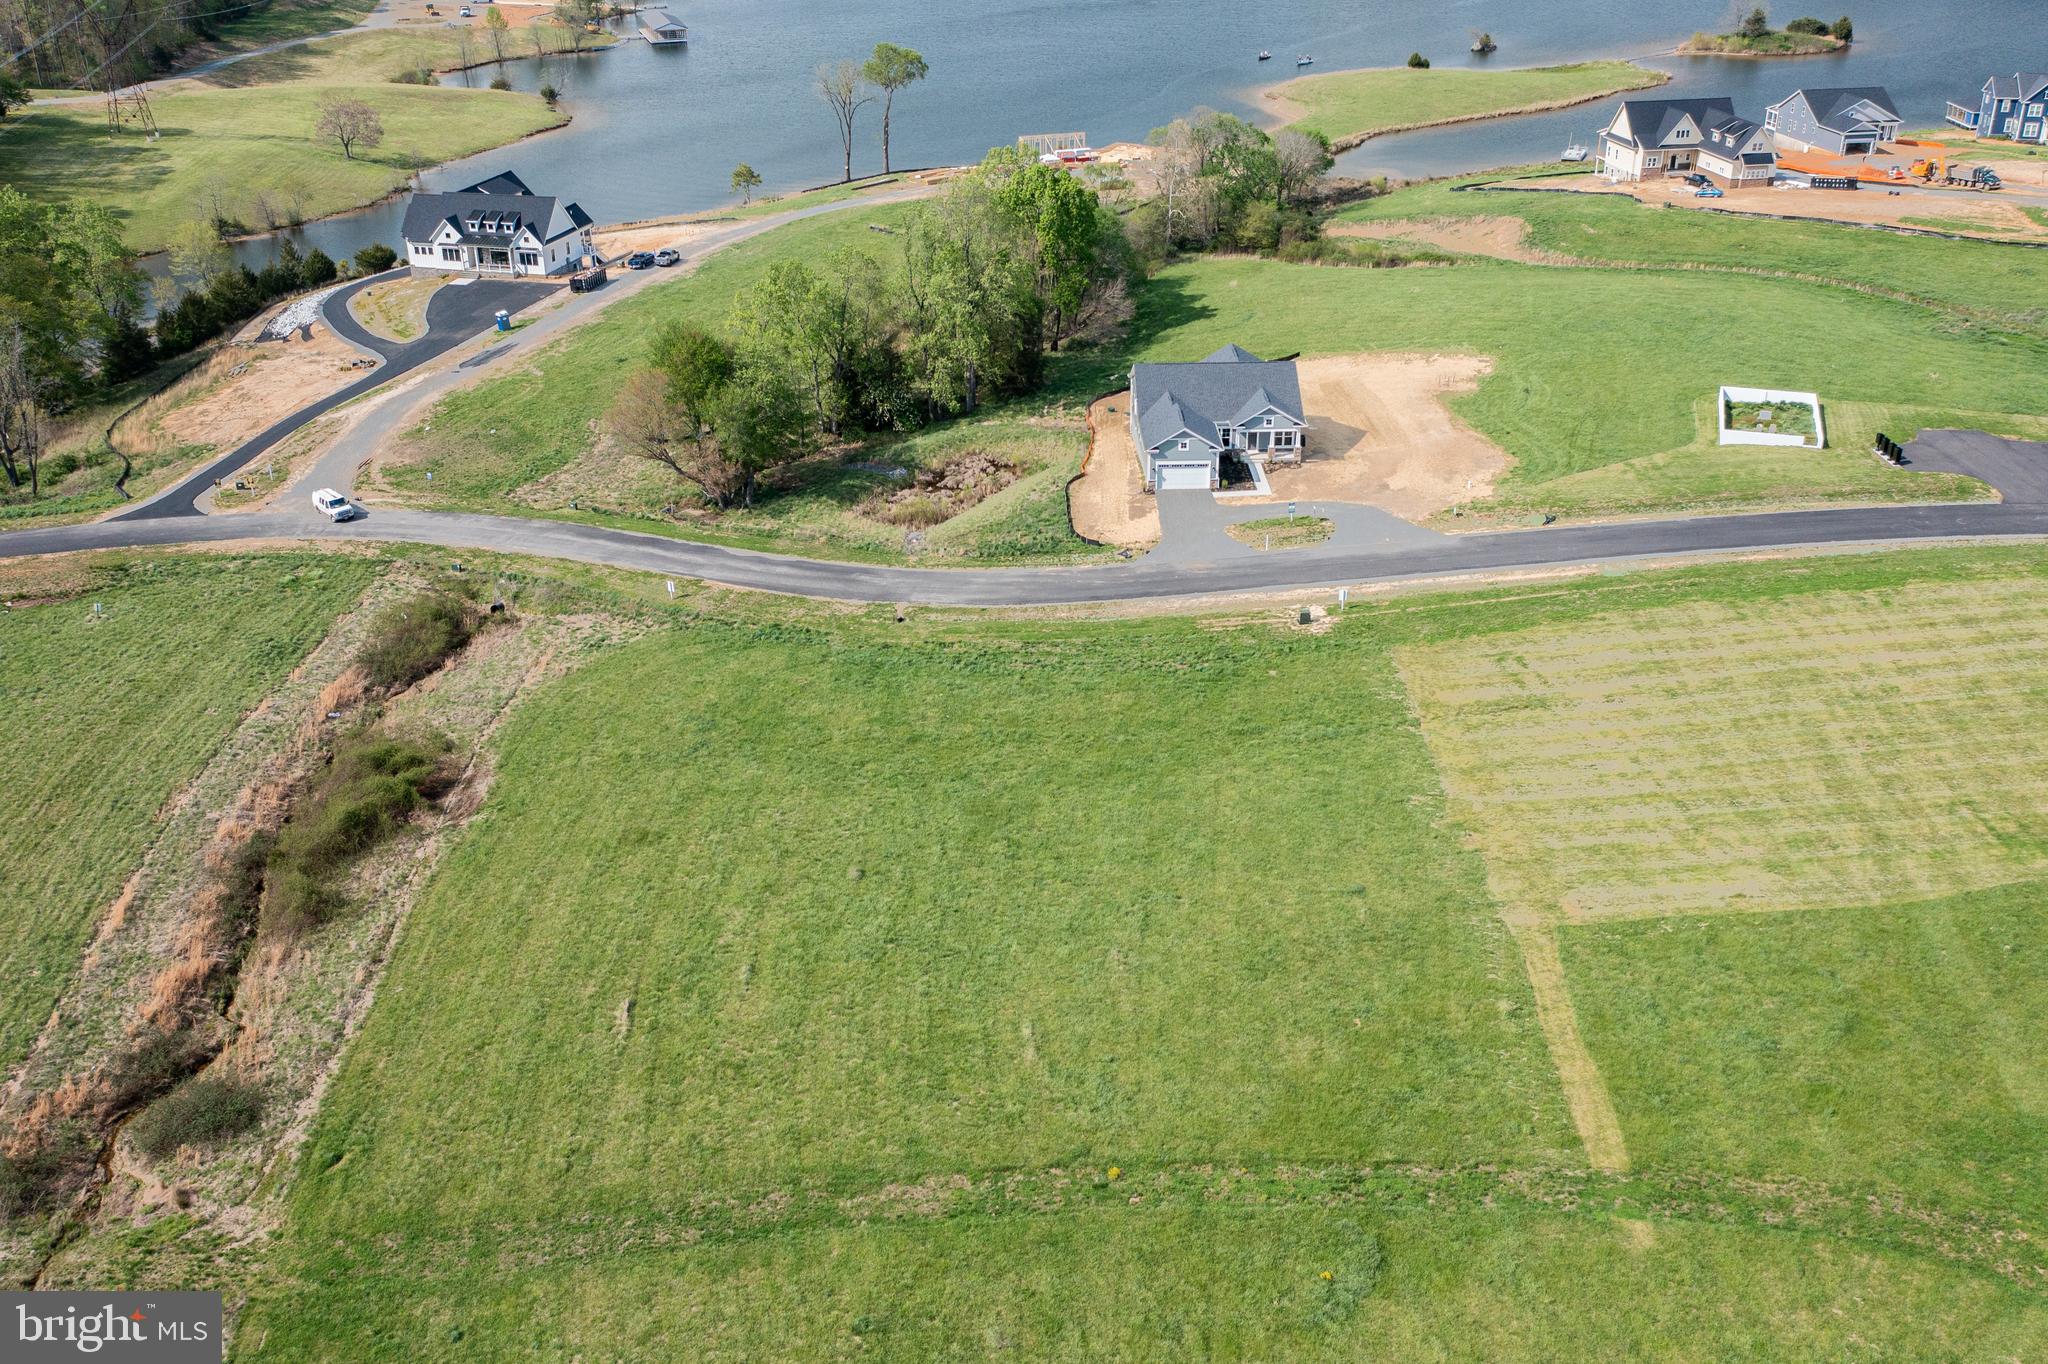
495, 227
1184, 417
1649, 139
1851, 120
2012, 107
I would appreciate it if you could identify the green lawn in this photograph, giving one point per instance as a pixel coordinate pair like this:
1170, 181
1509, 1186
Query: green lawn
282, 20
250, 140
1350, 106
381, 54
1978, 281
110, 714
1555, 402
1893, 1048
816, 985
527, 440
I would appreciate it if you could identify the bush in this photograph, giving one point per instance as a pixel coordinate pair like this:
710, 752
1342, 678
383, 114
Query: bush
375, 258
372, 784
549, 94
1809, 26
1418, 62
317, 269
203, 1110
419, 75
33, 1180
1845, 30
1755, 24
500, 83
410, 639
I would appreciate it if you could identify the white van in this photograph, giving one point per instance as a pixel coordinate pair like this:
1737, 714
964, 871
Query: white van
333, 505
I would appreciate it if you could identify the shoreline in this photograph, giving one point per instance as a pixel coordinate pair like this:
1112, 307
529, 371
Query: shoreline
1290, 112
1836, 48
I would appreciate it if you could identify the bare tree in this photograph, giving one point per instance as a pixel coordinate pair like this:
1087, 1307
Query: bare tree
350, 122
843, 88
1299, 160
652, 426
22, 419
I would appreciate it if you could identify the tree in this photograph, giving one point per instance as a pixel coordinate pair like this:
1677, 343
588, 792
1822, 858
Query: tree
1067, 240
350, 122
1299, 160
762, 423
574, 18
745, 180
1845, 30
889, 70
840, 85
22, 417
375, 259
695, 368
1755, 24
648, 423
198, 254
821, 327
549, 95
496, 25
1418, 62
13, 94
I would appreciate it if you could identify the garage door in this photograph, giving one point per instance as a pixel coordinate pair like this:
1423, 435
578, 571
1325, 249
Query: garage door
1174, 477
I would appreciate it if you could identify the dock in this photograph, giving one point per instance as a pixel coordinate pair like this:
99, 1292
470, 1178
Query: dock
665, 33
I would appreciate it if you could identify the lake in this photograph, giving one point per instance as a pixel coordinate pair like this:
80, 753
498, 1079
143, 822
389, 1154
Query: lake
658, 130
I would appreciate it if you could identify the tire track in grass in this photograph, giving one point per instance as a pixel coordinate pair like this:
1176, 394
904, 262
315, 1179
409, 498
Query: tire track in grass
1585, 1089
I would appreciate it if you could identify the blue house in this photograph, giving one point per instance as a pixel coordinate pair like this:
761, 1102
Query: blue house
2014, 108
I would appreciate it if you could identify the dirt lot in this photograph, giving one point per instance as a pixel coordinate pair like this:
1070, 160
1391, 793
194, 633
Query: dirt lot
242, 390
1379, 434
1501, 238
612, 242
1109, 502
1956, 211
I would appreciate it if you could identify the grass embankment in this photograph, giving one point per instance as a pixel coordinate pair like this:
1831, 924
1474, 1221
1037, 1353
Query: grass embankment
1100, 1032
1348, 107
111, 713
246, 141
531, 438
397, 310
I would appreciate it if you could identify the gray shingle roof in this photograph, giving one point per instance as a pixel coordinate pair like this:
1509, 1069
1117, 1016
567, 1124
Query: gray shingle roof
1650, 121
1835, 107
502, 200
1225, 389
2023, 85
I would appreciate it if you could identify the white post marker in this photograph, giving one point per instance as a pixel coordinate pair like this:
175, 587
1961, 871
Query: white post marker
671, 589
1343, 596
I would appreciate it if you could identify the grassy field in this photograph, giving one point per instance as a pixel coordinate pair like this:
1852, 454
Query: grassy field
528, 439
396, 310
251, 140
111, 713
967, 998
1350, 106
382, 54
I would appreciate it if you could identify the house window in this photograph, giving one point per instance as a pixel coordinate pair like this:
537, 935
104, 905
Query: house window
529, 258
1652, 161
453, 253
1183, 445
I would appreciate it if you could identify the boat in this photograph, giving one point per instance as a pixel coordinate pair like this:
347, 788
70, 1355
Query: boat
1303, 61
1265, 56
1575, 152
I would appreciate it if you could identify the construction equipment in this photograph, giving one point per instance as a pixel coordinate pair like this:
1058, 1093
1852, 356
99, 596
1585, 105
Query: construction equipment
1930, 168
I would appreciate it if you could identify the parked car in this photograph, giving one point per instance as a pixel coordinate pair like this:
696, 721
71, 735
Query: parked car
668, 256
1697, 181
640, 260
466, 12
333, 505
1708, 192
588, 280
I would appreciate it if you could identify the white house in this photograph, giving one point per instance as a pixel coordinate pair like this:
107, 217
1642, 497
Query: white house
1185, 417
495, 227
1651, 138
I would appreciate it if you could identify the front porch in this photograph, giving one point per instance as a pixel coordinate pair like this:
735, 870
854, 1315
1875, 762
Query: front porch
1963, 116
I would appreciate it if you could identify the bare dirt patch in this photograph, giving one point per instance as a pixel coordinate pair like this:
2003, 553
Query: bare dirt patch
1500, 238
1108, 503
1380, 433
241, 391
395, 309
652, 235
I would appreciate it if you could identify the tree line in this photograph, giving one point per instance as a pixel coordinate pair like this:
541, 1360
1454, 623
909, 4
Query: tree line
1218, 181
1014, 262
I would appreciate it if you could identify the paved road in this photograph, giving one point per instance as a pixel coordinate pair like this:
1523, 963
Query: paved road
453, 316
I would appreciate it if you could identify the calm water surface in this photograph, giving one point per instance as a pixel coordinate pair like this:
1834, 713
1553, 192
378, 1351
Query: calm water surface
658, 130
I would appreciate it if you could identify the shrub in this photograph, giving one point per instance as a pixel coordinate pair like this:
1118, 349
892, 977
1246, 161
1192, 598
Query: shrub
374, 258
500, 83
203, 1110
410, 639
1808, 25
372, 784
1755, 24
317, 269
1845, 30
549, 94
34, 1179
1418, 62
419, 75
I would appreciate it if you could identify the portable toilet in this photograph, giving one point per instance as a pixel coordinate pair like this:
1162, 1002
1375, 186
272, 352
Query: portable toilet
504, 320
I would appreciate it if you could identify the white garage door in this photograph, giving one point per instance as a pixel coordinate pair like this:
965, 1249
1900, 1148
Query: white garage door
1174, 477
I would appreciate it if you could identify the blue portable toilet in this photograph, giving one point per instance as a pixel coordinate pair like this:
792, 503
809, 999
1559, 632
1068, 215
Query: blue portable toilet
504, 320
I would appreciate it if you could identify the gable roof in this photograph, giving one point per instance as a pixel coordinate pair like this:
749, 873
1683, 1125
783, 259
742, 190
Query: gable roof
1226, 388
1652, 121
2022, 85
1844, 108
501, 201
